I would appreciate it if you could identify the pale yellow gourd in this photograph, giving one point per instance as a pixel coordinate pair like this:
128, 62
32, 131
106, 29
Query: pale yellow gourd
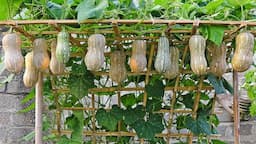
13, 58
94, 58
198, 61
138, 61
243, 55
31, 73
41, 59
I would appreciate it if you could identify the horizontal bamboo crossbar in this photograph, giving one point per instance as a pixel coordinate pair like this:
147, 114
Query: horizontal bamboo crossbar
94, 109
132, 134
113, 89
110, 21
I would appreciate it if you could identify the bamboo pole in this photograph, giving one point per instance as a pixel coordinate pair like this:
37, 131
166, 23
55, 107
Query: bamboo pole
236, 109
39, 105
151, 54
122, 133
125, 21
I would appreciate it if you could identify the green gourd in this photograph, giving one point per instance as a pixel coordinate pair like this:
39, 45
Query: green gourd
63, 49
162, 60
56, 67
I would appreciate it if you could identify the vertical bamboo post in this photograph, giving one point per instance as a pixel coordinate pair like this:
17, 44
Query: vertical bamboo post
236, 109
39, 105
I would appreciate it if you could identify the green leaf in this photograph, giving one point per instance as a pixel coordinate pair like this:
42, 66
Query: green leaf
80, 80
132, 115
188, 100
9, 8
128, 100
216, 141
28, 108
227, 85
155, 90
29, 96
216, 83
214, 33
213, 5
90, 9
117, 112
238, 3
148, 129
153, 105
106, 119
198, 126
180, 121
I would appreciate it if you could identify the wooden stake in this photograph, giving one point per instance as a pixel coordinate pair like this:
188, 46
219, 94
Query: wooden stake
236, 109
39, 105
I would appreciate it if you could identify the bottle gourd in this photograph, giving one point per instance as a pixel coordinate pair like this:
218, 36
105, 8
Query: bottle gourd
138, 61
117, 70
56, 67
173, 69
31, 73
162, 60
41, 58
62, 49
243, 55
198, 61
13, 58
218, 64
94, 58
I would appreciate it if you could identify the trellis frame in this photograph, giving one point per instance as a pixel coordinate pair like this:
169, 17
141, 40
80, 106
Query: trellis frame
17, 25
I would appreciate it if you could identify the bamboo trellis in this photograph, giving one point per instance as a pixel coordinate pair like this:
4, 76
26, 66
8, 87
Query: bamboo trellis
18, 25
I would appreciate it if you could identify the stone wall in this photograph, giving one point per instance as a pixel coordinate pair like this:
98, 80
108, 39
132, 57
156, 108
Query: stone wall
13, 125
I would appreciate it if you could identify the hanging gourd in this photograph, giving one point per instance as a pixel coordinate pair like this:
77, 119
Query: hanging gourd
62, 49
138, 61
13, 58
162, 60
31, 73
173, 69
198, 61
243, 55
94, 58
218, 64
56, 67
41, 58
117, 70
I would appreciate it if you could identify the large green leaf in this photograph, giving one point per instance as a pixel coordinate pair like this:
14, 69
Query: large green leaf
106, 119
216, 83
80, 80
153, 105
132, 115
148, 129
238, 3
213, 33
213, 5
198, 126
9, 8
90, 9
128, 100
155, 90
